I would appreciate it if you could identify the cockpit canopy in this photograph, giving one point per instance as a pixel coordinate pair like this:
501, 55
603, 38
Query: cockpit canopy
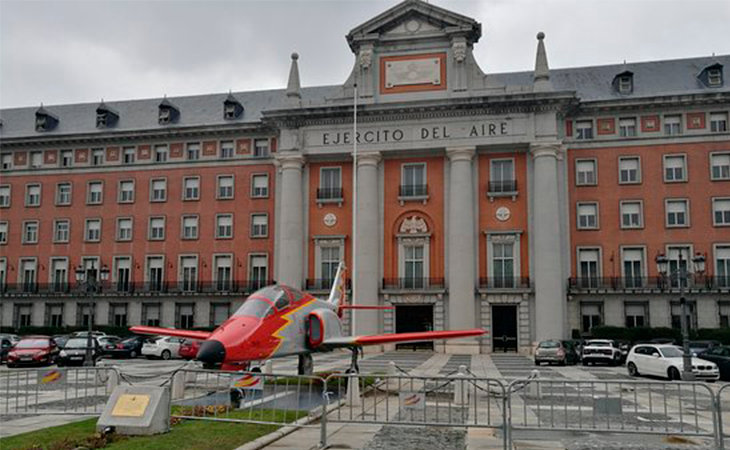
268, 300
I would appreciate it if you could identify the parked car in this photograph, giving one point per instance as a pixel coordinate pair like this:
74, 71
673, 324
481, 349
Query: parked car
74, 353
666, 361
86, 333
189, 349
33, 350
126, 348
14, 338
555, 351
107, 342
61, 339
5, 345
721, 356
668, 341
603, 351
164, 347
699, 347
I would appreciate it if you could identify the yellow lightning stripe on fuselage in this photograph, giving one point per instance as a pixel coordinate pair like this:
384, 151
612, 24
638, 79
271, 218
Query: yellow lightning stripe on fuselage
288, 322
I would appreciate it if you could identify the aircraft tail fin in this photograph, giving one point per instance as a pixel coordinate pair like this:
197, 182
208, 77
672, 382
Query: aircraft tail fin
338, 293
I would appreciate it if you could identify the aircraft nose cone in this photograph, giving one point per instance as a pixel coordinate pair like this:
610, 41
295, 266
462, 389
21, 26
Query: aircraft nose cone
211, 352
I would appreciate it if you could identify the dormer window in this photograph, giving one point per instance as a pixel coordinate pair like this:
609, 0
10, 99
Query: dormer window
105, 116
164, 116
712, 76
232, 108
624, 82
44, 120
167, 113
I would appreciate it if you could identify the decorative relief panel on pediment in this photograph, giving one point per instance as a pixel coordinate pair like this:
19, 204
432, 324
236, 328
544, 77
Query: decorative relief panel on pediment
413, 225
411, 26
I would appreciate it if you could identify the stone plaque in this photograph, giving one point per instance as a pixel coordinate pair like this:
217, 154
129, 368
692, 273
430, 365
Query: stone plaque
413, 71
130, 405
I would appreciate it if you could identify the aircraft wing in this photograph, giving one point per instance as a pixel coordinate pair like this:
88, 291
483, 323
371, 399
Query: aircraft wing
189, 334
360, 341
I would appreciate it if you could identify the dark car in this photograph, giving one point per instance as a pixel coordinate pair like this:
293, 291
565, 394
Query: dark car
61, 340
189, 349
74, 353
700, 347
720, 355
555, 351
5, 346
125, 348
33, 350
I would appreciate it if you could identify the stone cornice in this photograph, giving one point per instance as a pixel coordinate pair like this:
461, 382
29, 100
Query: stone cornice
649, 103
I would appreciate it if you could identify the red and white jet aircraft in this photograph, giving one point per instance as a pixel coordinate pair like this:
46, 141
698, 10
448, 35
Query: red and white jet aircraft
279, 321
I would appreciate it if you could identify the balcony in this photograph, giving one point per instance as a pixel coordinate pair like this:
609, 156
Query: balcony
414, 284
324, 284
413, 192
504, 283
696, 283
502, 188
329, 195
137, 288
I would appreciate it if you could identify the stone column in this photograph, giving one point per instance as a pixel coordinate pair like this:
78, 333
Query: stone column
550, 304
367, 276
462, 245
291, 218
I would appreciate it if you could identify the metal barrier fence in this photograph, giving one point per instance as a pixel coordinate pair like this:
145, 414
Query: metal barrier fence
83, 390
723, 416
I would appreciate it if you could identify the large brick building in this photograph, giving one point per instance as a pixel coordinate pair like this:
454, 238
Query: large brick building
530, 204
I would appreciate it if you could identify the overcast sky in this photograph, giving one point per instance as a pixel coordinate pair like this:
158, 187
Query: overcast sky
62, 51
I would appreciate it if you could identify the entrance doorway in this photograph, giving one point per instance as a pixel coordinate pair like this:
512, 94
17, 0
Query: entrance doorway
410, 318
504, 328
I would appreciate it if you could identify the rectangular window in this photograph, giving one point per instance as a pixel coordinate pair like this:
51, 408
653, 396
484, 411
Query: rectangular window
59, 274
54, 314
223, 270
219, 313
631, 214
33, 195
629, 170
192, 151
260, 185
151, 314
67, 158
718, 122
97, 157
588, 267
225, 187
155, 273
123, 273
330, 260
678, 262
673, 125
502, 176
584, 129
258, 271
94, 193
188, 273
627, 127
158, 190
92, 230
413, 181
691, 315
227, 149
503, 265
721, 211
587, 216
161, 153
677, 211
675, 168
722, 265
413, 265
190, 227
260, 148
330, 183
633, 267
224, 226
5, 196
29, 274
124, 229
36, 160
636, 314
591, 316
586, 172
129, 155
118, 315
259, 225
3, 274
184, 315
61, 231
157, 229
3, 233
720, 163
7, 161
30, 232
63, 194
126, 191
23, 315
191, 188
724, 309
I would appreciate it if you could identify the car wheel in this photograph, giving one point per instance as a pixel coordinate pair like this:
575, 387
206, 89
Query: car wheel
673, 374
561, 363
11, 366
166, 354
133, 354
585, 363
633, 371
537, 363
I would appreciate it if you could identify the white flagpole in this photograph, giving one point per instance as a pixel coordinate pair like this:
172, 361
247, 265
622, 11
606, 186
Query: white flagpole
354, 210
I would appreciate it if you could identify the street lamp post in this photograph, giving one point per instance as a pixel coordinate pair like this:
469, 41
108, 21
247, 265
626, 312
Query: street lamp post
682, 275
91, 286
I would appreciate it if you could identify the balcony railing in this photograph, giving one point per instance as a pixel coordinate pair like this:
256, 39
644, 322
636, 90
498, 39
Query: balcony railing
504, 283
695, 282
502, 187
413, 190
323, 284
137, 288
414, 283
329, 194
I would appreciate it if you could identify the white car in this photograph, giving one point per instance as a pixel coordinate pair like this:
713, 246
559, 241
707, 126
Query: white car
601, 350
164, 347
666, 361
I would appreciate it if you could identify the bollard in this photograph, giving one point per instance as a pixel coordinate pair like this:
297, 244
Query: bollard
269, 367
353, 390
112, 380
533, 386
392, 384
178, 385
190, 375
100, 373
461, 391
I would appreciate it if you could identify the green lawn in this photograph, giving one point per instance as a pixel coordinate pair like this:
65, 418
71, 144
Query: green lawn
189, 434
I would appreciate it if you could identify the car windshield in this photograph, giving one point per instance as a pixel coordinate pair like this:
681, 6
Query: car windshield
77, 343
549, 344
254, 307
32, 343
671, 352
598, 344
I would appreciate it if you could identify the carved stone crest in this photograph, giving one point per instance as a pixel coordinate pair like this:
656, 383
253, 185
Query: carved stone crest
413, 225
366, 59
459, 51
